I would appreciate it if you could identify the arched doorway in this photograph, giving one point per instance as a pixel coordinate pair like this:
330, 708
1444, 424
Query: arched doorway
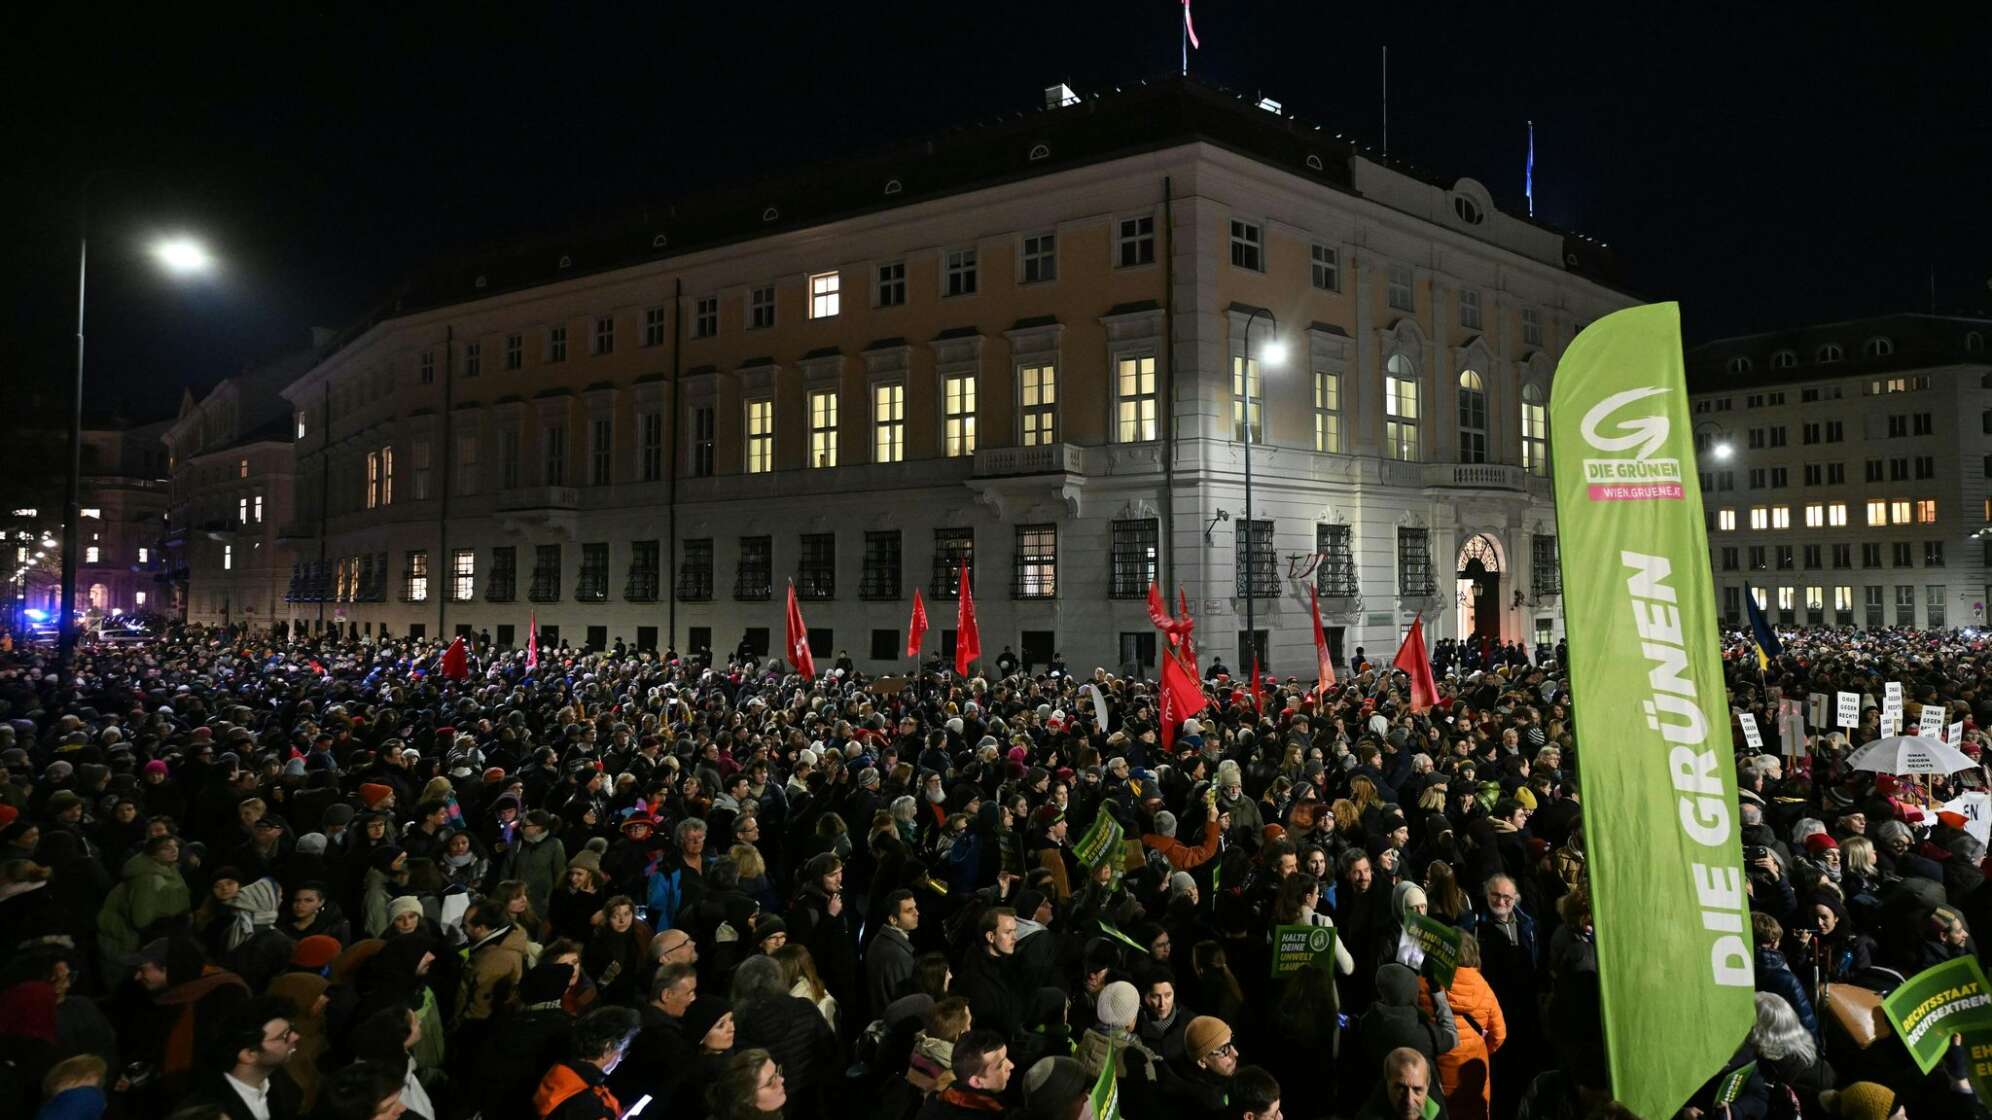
1478, 588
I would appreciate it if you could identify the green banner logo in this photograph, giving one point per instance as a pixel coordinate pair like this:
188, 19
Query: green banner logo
1302, 946
1666, 876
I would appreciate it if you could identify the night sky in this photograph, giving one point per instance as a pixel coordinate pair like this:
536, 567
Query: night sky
1767, 165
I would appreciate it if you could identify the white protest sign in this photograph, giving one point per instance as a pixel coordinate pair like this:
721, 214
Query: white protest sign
1892, 698
1751, 734
1791, 727
1956, 736
1976, 809
1817, 715
1930, 721
1891, 724
1850, 710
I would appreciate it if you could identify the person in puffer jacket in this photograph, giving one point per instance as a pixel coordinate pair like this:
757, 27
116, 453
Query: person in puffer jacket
767, 1017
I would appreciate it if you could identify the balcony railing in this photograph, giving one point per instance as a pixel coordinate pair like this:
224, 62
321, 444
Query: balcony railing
539, 497
1049, 458
1475, 476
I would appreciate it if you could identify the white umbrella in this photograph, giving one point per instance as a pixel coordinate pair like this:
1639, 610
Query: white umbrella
1910, 754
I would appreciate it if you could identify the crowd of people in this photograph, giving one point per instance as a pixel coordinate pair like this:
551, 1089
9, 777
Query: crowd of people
270, 878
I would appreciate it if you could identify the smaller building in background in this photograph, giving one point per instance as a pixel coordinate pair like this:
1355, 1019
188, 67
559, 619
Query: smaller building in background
1844, 471
227, 562
123, 508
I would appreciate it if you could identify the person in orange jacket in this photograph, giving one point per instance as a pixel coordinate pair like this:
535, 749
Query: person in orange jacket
1463, 1070
1181, 856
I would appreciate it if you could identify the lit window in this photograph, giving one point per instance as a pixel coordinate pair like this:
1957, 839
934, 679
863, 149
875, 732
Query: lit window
1725, 520
1327, 411
1898, 511
824, 294
1786, 596
138, 597
823, 428
888, 423
1400, 409
760, 437
242, 468
387, 476
958, 416
242, 511
373, 479
1836, 514
1781, 517
1877, 512
463, 575
1472, 418
91, 512
91, 554
1247, 401
1760, 518
1037, 393
1926, 511
1815, 516
144, 555
300, 424
1535, 432
1136, 406
227, 557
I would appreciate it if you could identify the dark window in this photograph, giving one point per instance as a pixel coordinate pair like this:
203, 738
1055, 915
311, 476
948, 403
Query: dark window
1414, 563
505, 635
1786, 561
1843, 556
1135, 556
1731, 559
1034, 568
642, 584
885, 646
417, 630
820, 642
1871, 555
1251, 649
598, 638
1138, 648
549, 637
695, 573
1252, 550
698, 639
881, 574
754, 578
1904, 557
816, 570
1933, 554
1812, 556
646, 639
1037, 647
952, 549
1335, 575
756, 638
546, 574
593, 586
704, 425
1546, 570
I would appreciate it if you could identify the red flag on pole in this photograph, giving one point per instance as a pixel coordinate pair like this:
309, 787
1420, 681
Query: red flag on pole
456, 661
916, 628
1189, 626
1181, 698
1258, 696
968, 637
798, 639
1189, 26
1412, 659
1324, 665
532, 641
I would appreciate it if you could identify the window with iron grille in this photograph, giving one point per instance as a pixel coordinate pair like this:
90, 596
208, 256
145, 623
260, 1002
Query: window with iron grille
503, 586
1545, 567
593, 584
1414, 563
695, 572
1336, 574
816, 570
1034, 571
546, 574
1253, 550
754, 577
642, 584
1136, 555
415, 577
463, 575
881, 574
952, 549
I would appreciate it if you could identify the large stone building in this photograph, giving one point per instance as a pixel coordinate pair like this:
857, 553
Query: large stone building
1844, 467
232, 491
122, 502
1032, 346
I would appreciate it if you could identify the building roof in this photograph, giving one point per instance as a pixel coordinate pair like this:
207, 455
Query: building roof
1880, 344
1150, 116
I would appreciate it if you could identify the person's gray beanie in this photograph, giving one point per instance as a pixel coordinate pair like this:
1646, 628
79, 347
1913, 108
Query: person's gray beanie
1165, 823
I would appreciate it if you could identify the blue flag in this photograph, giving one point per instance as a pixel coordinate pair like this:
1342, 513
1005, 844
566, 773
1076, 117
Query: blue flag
1762, 636
1529, 172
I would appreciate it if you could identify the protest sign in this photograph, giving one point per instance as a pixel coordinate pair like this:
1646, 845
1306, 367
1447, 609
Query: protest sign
1849, 710
1937, 1003
1975, 806
1930, 721
1300, 946
1751, 734
1440, 943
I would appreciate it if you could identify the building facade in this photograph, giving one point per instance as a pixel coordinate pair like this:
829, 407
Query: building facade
1042, 350
123, 506
1843, 469
232, 491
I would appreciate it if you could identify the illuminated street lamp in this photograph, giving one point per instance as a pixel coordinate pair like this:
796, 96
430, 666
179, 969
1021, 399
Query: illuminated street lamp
1271, 354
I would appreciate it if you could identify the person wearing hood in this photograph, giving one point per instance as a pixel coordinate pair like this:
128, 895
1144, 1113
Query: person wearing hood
1395, 1021
151, 891
819, 919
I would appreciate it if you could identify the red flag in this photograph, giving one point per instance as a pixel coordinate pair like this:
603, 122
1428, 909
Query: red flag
1189, 28
532, 641
1412, 659
1181, 698
1258, 697
916, 629
456, 661
798, 639
1189, 626
968, 637
1324, 665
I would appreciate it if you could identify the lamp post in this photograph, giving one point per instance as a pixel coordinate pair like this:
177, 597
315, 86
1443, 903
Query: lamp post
1273, 354
181, 256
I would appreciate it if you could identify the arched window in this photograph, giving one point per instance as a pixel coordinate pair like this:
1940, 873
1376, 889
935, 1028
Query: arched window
1400, 408
1535, 431
1784, 359
1879, 346
1829, 353
1739, 365
1472, 418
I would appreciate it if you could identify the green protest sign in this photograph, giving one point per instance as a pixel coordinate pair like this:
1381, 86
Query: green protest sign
1299, 946
1732, 1084
1937, 1003
1102, 840
1108, 928
1106, 1091
1440, 944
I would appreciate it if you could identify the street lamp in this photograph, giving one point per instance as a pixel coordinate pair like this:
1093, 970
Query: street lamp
180, 255
1272, 354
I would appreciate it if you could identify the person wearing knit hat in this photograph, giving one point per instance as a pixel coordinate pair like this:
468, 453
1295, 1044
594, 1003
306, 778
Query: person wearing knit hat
1819, 842
1862, 1100
404, 914
315, 952
1054, 1088
156, 766
1117, 1006
1214, 1061
708, 1022
377, 797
